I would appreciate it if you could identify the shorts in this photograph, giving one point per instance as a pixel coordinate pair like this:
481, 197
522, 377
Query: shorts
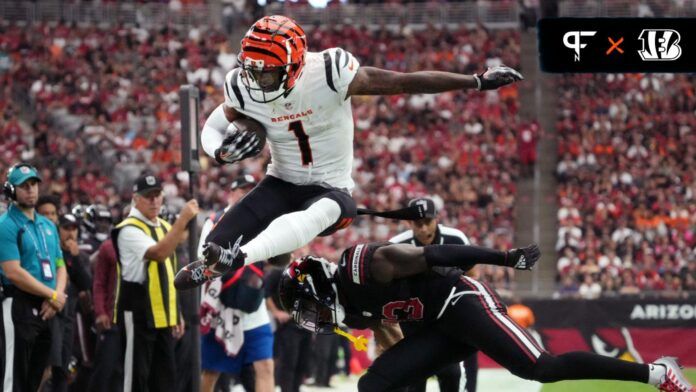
258, 345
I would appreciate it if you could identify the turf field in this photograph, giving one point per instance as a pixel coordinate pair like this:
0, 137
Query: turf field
605, 386
499, 380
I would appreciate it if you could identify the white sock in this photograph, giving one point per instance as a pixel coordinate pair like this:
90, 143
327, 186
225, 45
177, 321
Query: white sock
291, 231
656, 373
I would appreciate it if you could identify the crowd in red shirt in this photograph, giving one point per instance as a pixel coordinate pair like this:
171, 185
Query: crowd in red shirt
627, 191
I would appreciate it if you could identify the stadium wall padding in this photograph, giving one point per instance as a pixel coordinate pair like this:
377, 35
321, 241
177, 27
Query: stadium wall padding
632, 329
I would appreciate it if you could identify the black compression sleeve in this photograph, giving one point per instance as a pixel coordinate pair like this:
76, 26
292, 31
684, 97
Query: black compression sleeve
578, 365
462, 256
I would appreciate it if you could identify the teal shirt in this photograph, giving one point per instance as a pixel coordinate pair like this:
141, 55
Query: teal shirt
39, 240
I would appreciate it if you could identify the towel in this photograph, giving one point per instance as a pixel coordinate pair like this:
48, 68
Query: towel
225, 322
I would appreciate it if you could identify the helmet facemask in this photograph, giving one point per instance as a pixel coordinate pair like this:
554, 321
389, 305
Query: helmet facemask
264, 84
313, 300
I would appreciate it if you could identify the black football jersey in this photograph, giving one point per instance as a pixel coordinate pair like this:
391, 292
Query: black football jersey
417, 298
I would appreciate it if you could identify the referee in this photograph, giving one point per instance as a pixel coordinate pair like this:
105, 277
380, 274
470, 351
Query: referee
146, 302
33, 280
428, 231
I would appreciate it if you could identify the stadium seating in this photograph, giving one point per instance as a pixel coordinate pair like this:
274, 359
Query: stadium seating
626, 184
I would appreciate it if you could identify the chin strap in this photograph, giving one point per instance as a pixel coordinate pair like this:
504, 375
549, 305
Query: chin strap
359, 342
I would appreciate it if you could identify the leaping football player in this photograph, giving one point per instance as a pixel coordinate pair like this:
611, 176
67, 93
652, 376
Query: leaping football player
303, 100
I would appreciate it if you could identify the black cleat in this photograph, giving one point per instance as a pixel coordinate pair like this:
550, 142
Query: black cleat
221, 259
194, 275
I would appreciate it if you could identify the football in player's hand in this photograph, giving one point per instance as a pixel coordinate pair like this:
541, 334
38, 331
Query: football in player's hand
244, 138
250, 125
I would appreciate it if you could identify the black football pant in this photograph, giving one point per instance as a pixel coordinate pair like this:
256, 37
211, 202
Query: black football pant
449, 377
107, 374
325, 355
292, 348
26, 341
476, 319
62, 342
149, 359
271, 198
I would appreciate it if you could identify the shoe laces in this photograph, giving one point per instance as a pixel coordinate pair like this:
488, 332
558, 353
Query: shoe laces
228, 256
200, 273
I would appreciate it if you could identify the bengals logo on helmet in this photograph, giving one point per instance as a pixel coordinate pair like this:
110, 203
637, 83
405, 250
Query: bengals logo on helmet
272, 57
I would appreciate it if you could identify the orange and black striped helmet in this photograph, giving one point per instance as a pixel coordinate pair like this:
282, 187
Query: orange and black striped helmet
272, 57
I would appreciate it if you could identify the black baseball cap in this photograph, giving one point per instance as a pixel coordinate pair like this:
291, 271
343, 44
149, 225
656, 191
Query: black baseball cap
428, 206
243, 181
146, 183
67, 220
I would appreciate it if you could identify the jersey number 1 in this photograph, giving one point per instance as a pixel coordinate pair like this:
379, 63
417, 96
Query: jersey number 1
303, 141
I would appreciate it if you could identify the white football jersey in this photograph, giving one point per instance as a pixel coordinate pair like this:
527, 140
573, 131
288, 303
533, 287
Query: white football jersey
309, 131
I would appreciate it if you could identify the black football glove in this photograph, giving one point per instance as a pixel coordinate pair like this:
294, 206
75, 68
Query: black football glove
238, 145
496, 77
523, 258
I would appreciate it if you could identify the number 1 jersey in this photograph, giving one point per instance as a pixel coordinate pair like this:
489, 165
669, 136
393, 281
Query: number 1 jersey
310, 129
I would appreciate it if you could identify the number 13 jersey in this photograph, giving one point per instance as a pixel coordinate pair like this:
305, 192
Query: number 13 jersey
310, 129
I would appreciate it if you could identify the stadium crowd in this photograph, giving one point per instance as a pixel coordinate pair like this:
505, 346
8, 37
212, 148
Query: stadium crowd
105, 107
627, 191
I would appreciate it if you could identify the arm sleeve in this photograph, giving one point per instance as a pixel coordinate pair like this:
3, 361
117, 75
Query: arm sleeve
340, 67
462, 256
214, 131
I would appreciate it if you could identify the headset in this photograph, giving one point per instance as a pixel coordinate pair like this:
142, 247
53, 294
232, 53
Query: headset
8, 189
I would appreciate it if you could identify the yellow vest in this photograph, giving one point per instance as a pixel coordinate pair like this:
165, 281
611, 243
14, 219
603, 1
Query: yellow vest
159, 282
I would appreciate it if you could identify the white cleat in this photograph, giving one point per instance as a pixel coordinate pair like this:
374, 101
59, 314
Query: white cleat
674, 379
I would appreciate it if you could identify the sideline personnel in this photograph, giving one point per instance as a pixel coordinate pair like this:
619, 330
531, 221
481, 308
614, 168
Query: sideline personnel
146, 301
429, 231
33, 279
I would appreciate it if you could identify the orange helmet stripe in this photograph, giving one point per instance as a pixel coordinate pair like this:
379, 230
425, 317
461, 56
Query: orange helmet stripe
275, 41
264, 52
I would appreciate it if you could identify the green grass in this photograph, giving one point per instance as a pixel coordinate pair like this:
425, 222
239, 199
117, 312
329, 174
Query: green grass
605, 386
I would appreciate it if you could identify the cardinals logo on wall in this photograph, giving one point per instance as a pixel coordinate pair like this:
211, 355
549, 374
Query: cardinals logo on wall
615, 343
637, 331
